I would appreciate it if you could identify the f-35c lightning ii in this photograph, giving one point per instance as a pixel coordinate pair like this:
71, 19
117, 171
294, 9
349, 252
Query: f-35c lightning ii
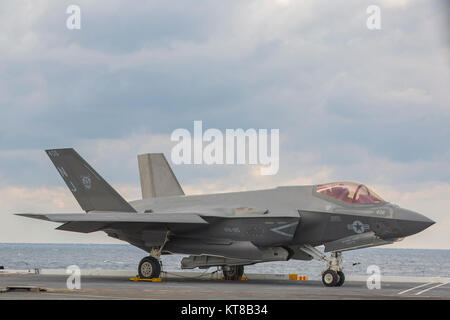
231, 230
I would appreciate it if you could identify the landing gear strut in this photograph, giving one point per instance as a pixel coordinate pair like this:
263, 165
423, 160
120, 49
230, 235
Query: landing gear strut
150, 267
333, 275
233, 272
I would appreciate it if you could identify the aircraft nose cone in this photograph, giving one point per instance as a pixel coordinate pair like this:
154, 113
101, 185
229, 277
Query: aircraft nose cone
411, 222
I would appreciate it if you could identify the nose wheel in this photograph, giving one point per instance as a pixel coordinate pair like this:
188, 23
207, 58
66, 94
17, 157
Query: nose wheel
341, 279
331, 278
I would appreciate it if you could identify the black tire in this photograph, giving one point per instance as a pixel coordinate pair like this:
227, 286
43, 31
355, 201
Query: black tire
330, 278
234, 273
149, 268
341, 279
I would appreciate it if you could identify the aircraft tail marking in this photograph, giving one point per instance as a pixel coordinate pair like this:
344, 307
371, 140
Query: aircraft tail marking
91, 191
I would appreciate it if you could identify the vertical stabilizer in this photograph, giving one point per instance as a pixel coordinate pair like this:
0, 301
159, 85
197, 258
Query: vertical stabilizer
92, 192
157, 178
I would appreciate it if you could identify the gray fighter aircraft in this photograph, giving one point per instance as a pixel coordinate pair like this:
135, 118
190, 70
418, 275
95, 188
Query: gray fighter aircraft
231, 230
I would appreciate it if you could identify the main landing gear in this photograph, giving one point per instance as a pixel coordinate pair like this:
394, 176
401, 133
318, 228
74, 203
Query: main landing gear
333, 275
150, 267
233, 272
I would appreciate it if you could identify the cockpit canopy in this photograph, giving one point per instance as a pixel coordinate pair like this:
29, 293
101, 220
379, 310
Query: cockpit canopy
350, 192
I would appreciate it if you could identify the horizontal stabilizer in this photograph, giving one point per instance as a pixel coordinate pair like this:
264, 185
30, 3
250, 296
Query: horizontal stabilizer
362, 240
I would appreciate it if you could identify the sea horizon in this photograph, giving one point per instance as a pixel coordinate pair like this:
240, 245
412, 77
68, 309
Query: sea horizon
127, 244
391, 261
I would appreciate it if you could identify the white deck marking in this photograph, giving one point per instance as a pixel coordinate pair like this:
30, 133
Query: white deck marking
436, 286
422, 285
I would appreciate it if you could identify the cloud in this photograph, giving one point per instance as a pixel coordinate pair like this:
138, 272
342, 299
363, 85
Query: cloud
16, 199
397, 3
350, 103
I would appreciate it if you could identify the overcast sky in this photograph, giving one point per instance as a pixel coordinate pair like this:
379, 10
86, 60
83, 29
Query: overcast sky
351, 103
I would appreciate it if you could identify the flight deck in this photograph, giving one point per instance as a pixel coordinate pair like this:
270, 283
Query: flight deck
201, 286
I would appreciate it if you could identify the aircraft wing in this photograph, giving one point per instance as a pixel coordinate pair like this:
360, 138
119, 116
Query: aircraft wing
82, 222
362, 240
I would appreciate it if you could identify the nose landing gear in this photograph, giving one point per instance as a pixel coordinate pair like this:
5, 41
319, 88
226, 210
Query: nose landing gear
333, 276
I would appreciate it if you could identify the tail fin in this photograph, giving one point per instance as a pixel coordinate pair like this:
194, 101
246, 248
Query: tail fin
87, 186
157, 179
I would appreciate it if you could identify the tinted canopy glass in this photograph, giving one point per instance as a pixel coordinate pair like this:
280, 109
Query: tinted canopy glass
351, 192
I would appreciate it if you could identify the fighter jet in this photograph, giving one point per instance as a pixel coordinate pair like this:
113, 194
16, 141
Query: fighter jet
231, 230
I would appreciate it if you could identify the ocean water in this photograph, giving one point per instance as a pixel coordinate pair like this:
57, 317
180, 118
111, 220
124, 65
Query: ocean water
392, 262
